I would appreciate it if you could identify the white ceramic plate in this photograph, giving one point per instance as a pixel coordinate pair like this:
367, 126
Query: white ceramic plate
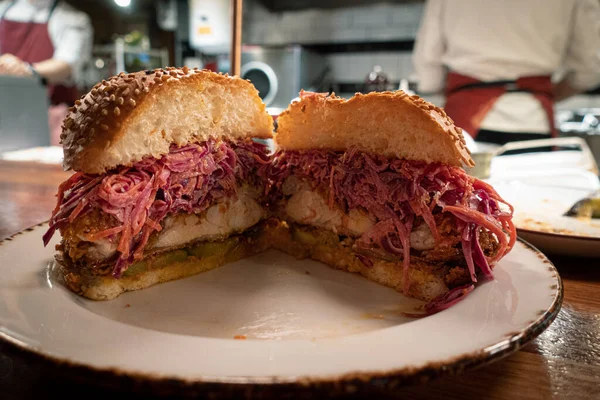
539, 217
306, 325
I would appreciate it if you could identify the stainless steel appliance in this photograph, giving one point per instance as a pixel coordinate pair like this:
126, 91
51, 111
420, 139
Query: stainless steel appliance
583, 123
279, 73
23, 114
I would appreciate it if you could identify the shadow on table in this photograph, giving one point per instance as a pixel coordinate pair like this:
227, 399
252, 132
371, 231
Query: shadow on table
577, 268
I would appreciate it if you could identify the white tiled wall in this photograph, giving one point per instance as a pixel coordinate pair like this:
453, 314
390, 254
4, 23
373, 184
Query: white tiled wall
377, 23
381, 22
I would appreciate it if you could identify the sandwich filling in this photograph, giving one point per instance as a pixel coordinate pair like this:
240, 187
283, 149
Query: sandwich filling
395, 209
198, 192
430, 218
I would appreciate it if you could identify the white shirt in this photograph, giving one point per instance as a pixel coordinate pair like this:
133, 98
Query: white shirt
497, 40
70, 30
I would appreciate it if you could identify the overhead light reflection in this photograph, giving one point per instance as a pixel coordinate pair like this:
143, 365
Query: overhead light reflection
123, 3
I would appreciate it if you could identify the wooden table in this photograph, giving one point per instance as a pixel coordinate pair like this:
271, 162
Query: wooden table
563, 362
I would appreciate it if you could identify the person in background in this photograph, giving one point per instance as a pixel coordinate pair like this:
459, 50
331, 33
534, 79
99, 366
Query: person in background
50, 41
497, 62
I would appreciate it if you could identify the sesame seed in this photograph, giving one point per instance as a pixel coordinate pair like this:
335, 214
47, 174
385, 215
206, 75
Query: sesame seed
173, 73
120, 101
104, 112
104, 127
185, 70
125, 92
77, 102
117, 111
136, 92
112, 97
165, 78
132, 102
92, 131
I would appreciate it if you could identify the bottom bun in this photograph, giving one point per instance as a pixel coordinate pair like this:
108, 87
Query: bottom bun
164, 267
426, 281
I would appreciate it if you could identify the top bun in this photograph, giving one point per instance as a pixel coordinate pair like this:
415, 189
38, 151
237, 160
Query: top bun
392, 124
130, 116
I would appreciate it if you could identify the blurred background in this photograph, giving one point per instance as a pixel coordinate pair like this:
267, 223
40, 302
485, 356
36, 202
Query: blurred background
344, 46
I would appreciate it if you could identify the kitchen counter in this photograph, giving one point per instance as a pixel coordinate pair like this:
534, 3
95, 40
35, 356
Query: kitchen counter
562, 363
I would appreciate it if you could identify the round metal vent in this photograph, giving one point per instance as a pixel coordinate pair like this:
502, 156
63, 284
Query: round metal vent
263, 78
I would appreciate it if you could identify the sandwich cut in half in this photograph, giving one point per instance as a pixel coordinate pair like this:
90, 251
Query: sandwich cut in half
376, 185
167, 180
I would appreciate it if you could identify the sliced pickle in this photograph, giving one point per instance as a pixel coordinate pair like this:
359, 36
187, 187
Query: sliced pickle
201, 250
316, 237
158, 261
170, 257
136, 268
212, 248
304, 237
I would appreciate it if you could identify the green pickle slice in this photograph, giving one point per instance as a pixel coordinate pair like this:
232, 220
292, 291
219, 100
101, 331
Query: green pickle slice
200, 250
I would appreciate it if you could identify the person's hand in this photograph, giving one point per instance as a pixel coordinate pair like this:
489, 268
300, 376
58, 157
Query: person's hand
11, 65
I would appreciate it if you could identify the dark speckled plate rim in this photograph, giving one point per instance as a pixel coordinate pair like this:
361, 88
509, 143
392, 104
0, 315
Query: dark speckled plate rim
269, 387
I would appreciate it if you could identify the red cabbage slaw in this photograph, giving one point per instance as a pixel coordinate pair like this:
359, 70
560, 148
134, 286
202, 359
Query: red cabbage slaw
187, 179
395, 191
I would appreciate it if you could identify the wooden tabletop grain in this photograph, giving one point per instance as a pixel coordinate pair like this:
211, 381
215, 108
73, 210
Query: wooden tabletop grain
562, 363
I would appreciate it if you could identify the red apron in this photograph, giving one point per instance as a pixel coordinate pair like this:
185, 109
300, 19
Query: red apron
468, 100
30, 42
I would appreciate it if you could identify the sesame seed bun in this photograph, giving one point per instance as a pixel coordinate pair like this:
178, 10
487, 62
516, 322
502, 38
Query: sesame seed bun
393, 124
130, 116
